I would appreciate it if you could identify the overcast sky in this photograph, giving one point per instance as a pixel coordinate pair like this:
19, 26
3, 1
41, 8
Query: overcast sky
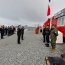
28, 11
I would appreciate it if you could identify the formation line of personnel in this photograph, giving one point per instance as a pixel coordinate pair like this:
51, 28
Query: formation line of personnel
7, 30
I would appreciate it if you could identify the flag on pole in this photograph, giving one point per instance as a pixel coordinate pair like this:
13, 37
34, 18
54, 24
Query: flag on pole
49, 0
48, 11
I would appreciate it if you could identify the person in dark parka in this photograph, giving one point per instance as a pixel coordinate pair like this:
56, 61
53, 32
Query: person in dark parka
6, 30
43, 33
47, 33
2, 32
22, 32
19, 33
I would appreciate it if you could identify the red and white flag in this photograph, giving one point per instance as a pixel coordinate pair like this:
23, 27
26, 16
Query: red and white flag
48, 11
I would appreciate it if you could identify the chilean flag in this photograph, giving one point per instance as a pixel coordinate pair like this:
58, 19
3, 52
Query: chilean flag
48, 11
49, 0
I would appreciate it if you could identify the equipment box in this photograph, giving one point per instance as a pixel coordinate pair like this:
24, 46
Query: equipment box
54, 61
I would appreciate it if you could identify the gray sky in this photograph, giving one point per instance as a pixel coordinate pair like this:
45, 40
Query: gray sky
28, 11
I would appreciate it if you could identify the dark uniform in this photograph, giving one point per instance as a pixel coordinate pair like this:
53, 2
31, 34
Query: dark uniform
43, 33
47, 33
19, 34
2, 32
22, 33
6, 30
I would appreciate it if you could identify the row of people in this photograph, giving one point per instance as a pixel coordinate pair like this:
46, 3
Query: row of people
50, 35
4, 30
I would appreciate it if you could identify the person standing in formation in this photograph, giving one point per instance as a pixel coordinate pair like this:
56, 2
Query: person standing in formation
2, 31
22, 32
19, 33
47, 33
53, 36
43, 33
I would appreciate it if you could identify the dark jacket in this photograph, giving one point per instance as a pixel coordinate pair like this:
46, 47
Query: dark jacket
47, 31
19, 32
43, 33
2, 31
22, 30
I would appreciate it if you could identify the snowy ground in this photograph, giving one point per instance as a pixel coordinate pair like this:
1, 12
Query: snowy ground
31, 51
